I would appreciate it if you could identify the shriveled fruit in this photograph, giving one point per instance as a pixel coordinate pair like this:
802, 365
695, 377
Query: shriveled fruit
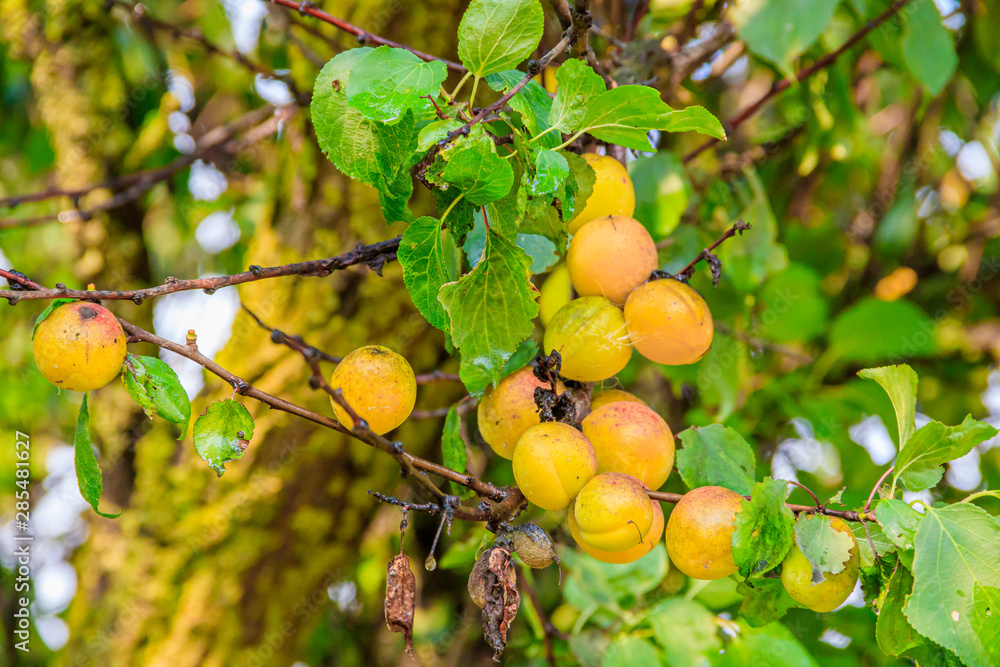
630, 438
699, 532
589, 333
668, 322
79, 346
533, 545
606, 396
556, 292
613, 192
628, 555
507, 411
378, 384
826, 595
613, 512
480, 576
552, 462
610, 257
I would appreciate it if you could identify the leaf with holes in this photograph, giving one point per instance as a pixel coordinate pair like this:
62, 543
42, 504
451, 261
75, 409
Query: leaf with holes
764, 528
826, 549
222, 434
388, 82
154, 385
900, 522
578, 85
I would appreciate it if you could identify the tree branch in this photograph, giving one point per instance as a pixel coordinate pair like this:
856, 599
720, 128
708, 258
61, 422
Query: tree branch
309, 8
801, 75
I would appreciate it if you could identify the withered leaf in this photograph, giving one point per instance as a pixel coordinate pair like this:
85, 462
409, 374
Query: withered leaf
502, 600
400, 599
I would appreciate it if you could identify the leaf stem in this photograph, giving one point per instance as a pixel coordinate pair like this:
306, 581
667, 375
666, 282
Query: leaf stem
451, 206
981, 494
541, 134
454, 93
475, 89
567, 142
876, 487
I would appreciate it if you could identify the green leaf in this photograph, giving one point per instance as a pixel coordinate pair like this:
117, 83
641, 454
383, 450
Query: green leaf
685, 630
551, 169
579, 185
781, 30
631, 651
716, 455
765, 528
541, 251
154, 385
899, 521
387, 82
826, 548
985, 623
578, 85
766, 602
882, 543
893, 632
693, 119
476, 169
773, 645
792, 306
955, 559
453, 453
491, 308
88, 473
55, 303
222, 434
935, 444
496, 35
662, 192
927, 46
624, 115
436, 131
476, 379
892, 329
367, 151
424, 271
532, 102
758, 254
900, 382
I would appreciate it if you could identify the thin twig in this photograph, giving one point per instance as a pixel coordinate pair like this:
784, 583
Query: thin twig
846, 515
801, 75
805, 488
871, 496
310, 9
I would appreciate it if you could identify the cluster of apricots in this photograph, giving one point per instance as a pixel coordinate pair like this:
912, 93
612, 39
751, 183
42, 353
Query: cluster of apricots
609, 262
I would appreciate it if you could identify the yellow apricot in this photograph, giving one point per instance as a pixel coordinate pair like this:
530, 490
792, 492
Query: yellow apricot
556, 292
605, 396
80, 346
613, 192
699, 532
630, 438
589, 333
610, 257
507, 411
668, 322
827, 595
552, 462
613, 512
628, 555
378, 384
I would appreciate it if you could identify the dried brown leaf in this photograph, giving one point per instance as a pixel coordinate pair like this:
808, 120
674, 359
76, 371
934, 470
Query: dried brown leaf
502, 599
400, 599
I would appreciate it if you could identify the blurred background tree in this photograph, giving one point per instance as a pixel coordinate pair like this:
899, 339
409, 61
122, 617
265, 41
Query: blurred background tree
871, 185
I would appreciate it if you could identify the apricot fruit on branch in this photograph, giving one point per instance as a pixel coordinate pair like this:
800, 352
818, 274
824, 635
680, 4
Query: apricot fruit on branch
556, 292
79, 346
613, 512
507, 411
552, 461
629, 437
610, 257
378, 384
613, 192
589, 333
668, 322
627, 555
699, 532
828, 594
606, 396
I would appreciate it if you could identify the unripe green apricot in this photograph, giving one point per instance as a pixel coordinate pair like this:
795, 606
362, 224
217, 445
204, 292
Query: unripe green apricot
827, 595
509, 410
699, 532
613, 512
552, 461
629, 437
589, 333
